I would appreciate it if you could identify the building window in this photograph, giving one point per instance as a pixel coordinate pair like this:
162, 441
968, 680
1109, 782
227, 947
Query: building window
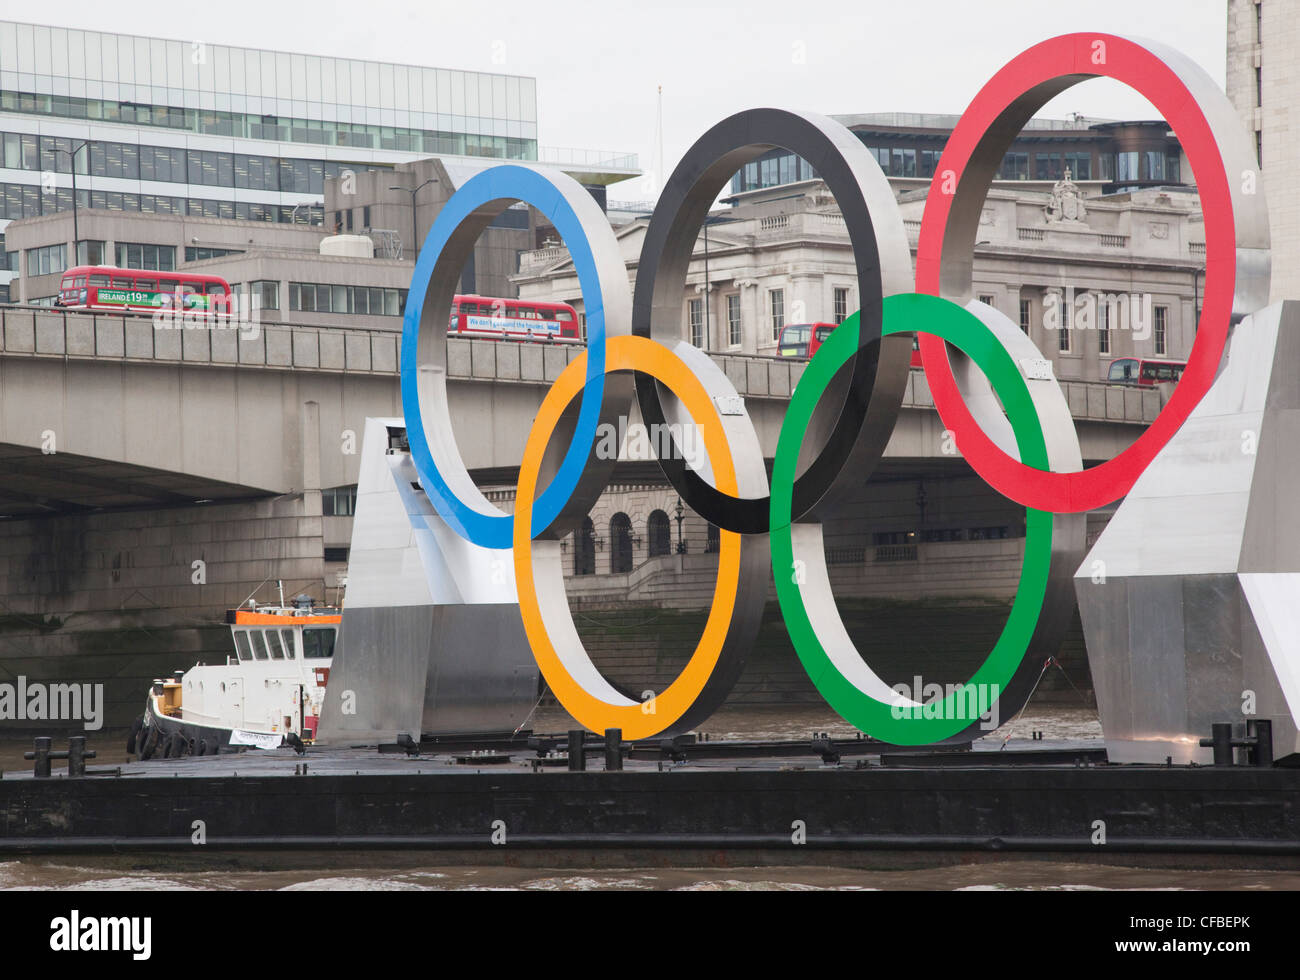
1103, 327
902, 163
1024, 316
1126, 166
1079, 165
695, 321
988, 299
712, 540
1160, 331
776, 303
90, 252
841, 304
1063, 321
620, 544
264, 294
200, 253
135, 255
339, 502
1047, 166
319, 297
658, 534
584, 549
47, 260
733, 320
1015, 166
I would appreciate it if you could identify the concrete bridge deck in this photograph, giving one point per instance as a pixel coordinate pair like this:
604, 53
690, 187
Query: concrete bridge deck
104, 410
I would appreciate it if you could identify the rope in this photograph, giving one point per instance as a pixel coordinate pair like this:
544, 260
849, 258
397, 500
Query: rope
534, 708
1046, 663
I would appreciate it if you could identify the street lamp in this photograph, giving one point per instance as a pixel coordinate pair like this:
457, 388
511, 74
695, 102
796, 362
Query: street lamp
681, 513
415, 217
76, 236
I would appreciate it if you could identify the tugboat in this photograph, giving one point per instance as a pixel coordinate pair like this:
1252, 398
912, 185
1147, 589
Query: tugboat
269, 694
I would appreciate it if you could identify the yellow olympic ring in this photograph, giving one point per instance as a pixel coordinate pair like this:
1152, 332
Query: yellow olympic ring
568, 669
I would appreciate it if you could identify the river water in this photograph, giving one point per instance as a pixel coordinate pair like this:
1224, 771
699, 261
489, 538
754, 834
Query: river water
386, 872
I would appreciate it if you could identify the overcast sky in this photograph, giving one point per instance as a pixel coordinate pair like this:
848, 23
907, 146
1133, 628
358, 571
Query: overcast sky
598, 64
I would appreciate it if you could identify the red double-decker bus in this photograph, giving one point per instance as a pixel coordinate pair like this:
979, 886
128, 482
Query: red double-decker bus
114, 290
1144, 372
492, 318
803, 340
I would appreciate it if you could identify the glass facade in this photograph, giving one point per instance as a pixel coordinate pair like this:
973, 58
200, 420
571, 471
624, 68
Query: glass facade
30, 201
319, 297
246, 92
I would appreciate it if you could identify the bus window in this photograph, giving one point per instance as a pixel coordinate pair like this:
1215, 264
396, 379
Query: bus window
169, 285
563, 315
99, 280
1156, 373
794, 340
216, 289
121, 282
823, 333
241, 645
317, 643
288, 644
147, 285
1122, 371
273, 641
81, 281
259, 645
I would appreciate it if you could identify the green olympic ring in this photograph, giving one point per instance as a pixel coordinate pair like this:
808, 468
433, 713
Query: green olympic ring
835, 667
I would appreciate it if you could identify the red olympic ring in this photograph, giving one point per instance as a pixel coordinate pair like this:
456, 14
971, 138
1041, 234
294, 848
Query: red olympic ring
1020, 88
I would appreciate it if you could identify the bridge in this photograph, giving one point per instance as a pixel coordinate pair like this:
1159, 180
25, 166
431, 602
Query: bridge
105, 411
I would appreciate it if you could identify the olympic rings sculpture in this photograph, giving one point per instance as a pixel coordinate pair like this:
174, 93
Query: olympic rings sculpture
1017, 434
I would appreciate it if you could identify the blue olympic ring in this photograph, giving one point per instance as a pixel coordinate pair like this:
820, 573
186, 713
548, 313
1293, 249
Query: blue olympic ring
506, 182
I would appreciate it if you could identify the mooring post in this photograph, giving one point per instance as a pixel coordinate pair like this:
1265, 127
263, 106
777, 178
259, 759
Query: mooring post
41, 754
77, 755
1260, 731
577, 752
613, 748
1221, 740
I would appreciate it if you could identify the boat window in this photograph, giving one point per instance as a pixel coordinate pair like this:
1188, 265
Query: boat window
288, 644
259, 644
241, 645
273, 641
317, 643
